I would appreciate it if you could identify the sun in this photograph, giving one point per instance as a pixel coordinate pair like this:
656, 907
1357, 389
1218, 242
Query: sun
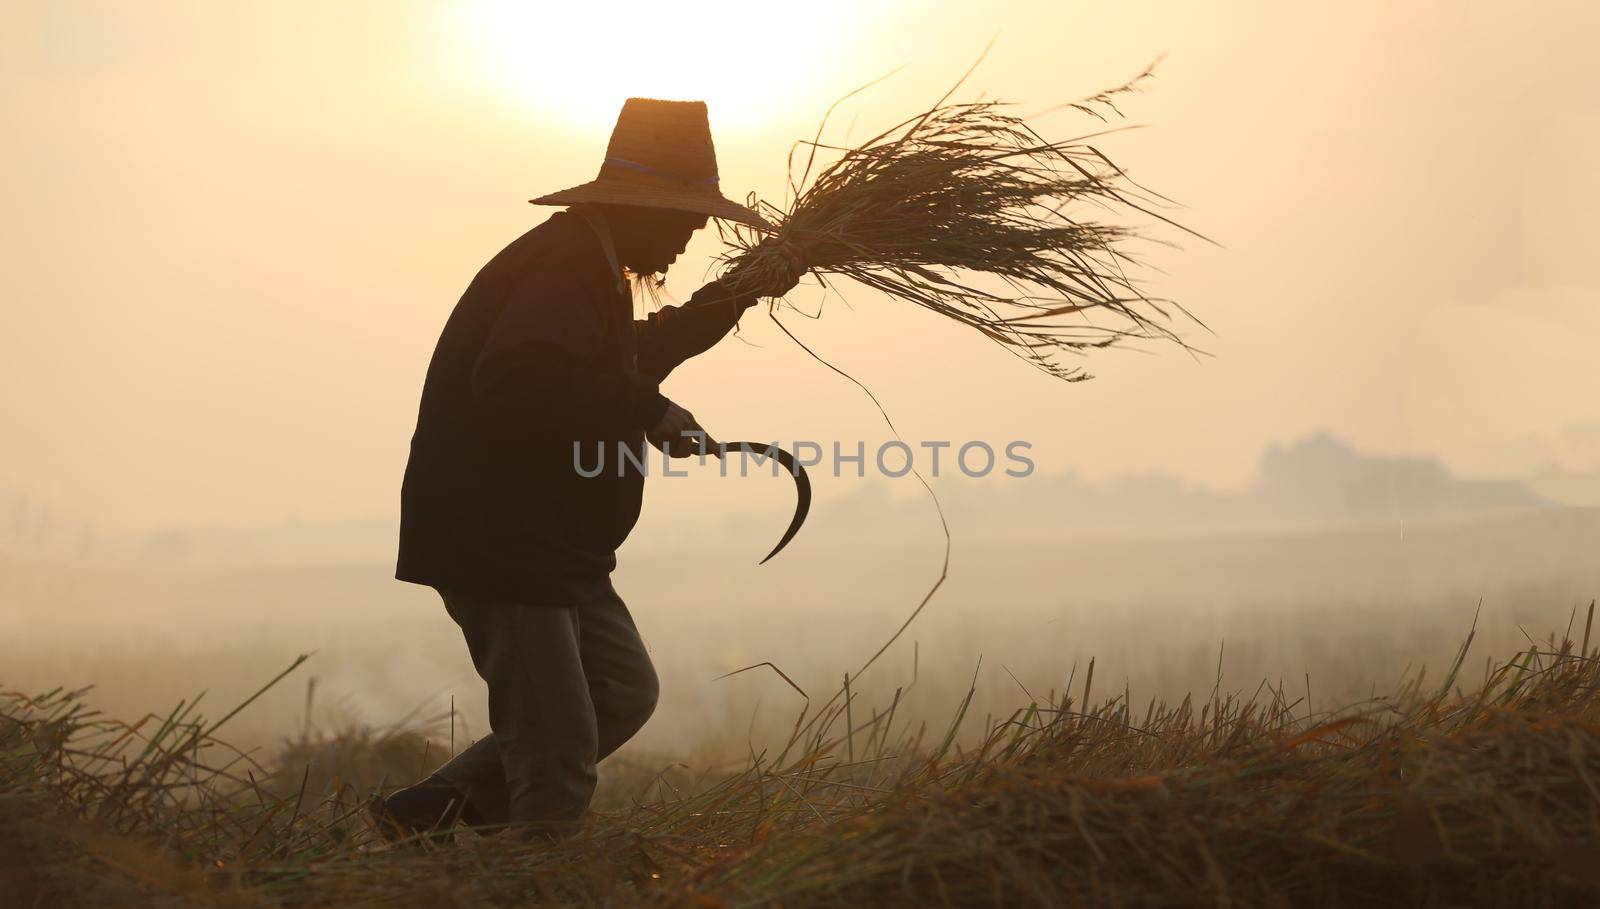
581, 60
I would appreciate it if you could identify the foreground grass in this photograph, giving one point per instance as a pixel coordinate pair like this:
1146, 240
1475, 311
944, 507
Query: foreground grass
1441, 793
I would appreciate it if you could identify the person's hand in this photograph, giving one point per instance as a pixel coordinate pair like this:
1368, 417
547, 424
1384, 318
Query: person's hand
776, 283
675, 433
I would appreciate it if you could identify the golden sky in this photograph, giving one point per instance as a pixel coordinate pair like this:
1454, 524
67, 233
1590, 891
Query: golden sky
233, 231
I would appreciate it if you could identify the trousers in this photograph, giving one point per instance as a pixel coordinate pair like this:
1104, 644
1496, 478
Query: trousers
568, 685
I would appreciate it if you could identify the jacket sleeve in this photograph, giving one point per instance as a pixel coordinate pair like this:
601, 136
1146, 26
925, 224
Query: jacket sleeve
535, 376
675, 333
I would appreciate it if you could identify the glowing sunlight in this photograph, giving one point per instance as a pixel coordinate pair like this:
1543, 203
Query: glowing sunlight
550, 56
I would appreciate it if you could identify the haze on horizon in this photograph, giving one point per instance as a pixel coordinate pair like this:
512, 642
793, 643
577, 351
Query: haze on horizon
235, 232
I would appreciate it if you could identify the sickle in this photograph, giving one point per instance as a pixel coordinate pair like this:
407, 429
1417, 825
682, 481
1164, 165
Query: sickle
802, 486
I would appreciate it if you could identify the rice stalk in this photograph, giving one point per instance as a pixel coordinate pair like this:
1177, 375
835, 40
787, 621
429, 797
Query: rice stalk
967, 211
1431, 796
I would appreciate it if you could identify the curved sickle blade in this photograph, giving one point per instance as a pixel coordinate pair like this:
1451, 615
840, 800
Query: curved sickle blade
802, 487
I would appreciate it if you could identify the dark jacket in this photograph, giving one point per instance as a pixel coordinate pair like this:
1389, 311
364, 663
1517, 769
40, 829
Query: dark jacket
541, 352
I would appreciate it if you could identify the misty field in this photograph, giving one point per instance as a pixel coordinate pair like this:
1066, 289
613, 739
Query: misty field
1247, 720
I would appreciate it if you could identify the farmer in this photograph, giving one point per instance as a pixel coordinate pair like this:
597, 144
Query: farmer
541, 360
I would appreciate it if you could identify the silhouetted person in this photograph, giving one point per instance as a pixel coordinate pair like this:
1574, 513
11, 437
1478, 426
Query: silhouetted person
541, 354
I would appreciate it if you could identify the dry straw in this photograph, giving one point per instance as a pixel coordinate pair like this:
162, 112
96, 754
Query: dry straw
1445, 793
968, 211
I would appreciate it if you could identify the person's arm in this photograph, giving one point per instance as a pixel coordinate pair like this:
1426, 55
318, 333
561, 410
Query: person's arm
673, 334
676, 333
533, 376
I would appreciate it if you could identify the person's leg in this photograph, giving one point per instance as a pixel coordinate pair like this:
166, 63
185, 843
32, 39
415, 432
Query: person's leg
429, 806
481, 780
438, 801
542, 719
622, 682
477, 770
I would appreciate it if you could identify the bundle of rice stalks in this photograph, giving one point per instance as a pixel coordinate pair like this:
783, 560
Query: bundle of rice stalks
967, 211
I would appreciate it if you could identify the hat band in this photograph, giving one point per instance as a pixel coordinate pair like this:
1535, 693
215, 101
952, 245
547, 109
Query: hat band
654, 172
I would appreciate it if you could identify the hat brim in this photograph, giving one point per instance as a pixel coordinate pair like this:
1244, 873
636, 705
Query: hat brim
619, 193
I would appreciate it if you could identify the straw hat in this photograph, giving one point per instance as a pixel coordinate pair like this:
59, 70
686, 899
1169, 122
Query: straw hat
660, 156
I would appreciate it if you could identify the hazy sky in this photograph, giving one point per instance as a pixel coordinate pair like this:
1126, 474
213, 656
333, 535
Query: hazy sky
233, 231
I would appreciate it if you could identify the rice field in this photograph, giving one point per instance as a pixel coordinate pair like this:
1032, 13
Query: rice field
1265, 720
1438, 792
